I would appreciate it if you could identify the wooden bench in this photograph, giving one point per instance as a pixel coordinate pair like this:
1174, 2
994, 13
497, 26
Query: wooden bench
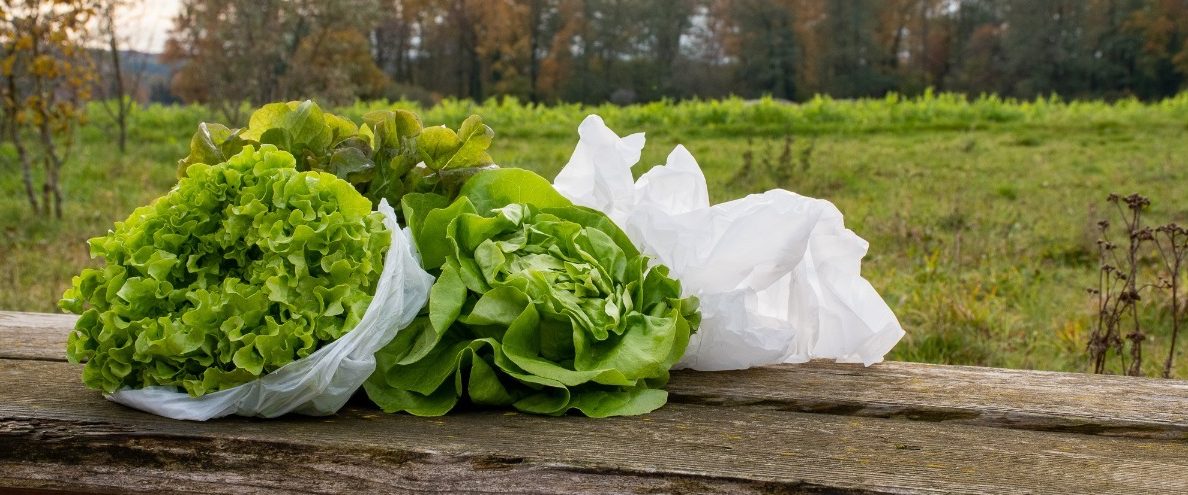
815, 428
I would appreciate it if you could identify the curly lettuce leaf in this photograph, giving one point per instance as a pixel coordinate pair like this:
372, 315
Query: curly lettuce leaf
538, 305
244, 267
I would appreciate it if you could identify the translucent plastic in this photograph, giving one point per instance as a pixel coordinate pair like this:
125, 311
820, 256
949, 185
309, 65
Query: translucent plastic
321, 383
777, 273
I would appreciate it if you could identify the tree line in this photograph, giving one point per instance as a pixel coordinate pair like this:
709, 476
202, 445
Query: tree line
56, 55
624, 51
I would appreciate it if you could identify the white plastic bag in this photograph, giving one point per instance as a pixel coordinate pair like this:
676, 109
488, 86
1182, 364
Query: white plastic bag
322, 382
777, 273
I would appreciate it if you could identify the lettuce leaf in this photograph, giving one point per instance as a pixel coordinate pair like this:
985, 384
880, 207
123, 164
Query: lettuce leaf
244, 267
390, 154
539, 305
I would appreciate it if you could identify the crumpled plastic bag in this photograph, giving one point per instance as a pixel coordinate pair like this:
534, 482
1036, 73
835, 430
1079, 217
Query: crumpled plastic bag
777, 273
318, 384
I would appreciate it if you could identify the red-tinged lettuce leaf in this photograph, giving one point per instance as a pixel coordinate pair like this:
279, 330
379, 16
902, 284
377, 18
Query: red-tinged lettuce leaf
380, 157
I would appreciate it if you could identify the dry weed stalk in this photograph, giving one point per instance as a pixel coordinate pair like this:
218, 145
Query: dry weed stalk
1120, 288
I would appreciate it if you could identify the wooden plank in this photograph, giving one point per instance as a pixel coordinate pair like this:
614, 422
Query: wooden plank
34, 335
1022, 399
55, 434
1046, 401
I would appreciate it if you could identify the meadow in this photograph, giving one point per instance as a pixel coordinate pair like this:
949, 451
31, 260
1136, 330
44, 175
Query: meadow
981, 214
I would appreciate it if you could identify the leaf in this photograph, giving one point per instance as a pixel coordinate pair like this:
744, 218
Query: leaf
307, 126
436, 145
279, 137
351, 165
607, 403
212, 144
432, 242
393, 131
416, 206
270, 116
499, 306
539, 304
597, 220
492, 189
476, 138
340, 128
408, 124
303, 122
413, 342
484, 387
382, 127
447, 296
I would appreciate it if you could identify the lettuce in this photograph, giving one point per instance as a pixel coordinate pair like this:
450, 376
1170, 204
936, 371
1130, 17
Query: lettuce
243, 267
539, 304
390, 154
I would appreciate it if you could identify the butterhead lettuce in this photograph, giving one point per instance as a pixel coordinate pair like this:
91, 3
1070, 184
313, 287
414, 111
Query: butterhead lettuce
539, 304
243, 267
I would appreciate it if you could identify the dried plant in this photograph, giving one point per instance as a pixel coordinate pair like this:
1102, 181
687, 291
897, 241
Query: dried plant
745, 176
769, 168
783, 165
1171, 241
1120, 286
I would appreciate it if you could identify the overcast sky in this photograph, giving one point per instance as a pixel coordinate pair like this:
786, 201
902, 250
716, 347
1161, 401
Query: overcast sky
148, 24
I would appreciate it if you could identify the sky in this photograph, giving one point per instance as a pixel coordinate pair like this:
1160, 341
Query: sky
147, 24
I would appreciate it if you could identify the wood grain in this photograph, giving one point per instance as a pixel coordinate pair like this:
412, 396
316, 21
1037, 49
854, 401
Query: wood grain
1022, 399
55, 434
1036, 400
34, 335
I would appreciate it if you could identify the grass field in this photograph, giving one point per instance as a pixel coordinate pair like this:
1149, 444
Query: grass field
981, 215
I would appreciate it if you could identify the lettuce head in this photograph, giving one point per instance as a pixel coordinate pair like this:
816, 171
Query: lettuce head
243, 267
539, 305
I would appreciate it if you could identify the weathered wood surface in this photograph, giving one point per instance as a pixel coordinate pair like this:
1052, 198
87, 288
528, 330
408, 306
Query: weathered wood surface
891, 428
1039, 400
34, 335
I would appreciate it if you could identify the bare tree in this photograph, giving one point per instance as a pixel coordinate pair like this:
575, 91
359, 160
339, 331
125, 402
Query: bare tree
124, 81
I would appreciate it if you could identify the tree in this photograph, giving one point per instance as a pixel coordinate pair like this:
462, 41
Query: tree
47, 78
541, 14
662, 27
229, 52
236, 51
629, 50
1047, 51
977, 58
504, 37
335, 66
560, 67
852, 62
124, 82
394, 36
765, 46
1112, 62
1163, 59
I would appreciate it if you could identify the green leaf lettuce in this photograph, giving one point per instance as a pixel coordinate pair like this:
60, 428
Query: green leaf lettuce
539, 304
243, 267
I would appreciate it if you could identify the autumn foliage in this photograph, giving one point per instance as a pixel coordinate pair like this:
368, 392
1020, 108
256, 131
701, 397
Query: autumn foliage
46, 80
631, 51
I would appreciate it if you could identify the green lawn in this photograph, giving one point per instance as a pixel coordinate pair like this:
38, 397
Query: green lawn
981, 216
